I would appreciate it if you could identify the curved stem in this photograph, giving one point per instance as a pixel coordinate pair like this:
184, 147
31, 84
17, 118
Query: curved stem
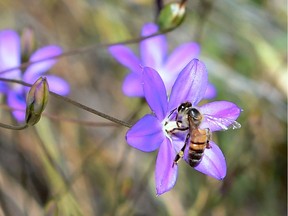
13, 127
183, 2
159, 5
80, 122
75, 103
85, 49
103, 115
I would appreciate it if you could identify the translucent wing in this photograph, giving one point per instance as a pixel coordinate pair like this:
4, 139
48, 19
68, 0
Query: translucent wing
218, 123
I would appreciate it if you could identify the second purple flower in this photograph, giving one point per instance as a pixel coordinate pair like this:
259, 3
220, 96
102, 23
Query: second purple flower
154, 54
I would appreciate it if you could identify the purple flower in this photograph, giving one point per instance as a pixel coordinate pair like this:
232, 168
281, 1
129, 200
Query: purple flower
150, 132
10, 57
153, 52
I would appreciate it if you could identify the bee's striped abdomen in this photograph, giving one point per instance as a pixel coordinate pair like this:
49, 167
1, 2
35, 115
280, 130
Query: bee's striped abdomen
198, 143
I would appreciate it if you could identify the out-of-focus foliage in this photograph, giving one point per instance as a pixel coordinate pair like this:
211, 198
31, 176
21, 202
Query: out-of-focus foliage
62, 167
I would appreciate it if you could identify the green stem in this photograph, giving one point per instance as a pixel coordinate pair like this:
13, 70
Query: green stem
183, 2
84, 49
88, 109
13, 127
79, 105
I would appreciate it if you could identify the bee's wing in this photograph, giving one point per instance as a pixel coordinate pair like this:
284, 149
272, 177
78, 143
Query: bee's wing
218, 123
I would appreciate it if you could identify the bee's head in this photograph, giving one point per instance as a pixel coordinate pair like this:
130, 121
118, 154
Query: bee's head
184, 106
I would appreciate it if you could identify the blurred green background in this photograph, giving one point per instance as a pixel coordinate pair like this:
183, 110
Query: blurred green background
67, 167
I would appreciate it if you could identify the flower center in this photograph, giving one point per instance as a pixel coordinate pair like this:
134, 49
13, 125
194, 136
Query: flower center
177, 137
168, 126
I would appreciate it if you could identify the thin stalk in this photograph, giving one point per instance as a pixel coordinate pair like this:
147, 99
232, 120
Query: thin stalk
13, 127
88, 109
66, 119
183, 2
85, 49
159, 5
75, 103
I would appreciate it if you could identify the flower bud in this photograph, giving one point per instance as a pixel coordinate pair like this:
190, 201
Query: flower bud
171, 16
36, 101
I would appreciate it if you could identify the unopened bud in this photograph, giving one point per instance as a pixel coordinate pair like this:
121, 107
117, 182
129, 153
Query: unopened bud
36, 101
171, 16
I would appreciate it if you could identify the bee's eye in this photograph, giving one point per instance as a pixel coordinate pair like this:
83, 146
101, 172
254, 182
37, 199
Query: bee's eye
181, 108
196, 115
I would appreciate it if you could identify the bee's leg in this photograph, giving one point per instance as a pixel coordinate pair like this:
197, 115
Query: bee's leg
181, 153
172, 112
179, 129
178, 122
208, 146
209, 136
178, 158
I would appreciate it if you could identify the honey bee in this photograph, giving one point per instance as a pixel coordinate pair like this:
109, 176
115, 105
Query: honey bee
189, 118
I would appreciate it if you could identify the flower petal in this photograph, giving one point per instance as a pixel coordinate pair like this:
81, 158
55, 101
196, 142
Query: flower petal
179, 141
190, 85
213, 162
155, 92
152, 50
165, 172
37, 69
9, 53
133, 86
126, 57
4, 88
220, 115
58, 85
16, 100
211, 92
181, 56
146, 135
